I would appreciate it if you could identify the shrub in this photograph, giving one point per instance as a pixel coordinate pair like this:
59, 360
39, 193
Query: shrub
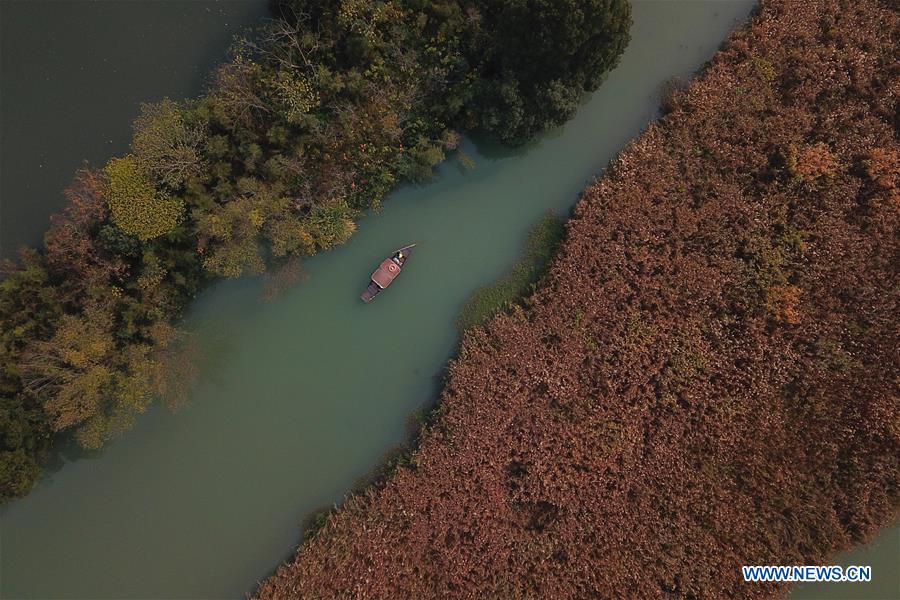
811, 162
670, 94
882, 166
784, 303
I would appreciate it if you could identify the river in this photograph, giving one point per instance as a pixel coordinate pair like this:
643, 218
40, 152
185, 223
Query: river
299, 397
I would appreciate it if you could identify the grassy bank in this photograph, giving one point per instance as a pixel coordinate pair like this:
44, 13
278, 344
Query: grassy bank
541, 244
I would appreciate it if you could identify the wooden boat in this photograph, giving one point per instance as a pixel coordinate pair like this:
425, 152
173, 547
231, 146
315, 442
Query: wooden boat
386, 272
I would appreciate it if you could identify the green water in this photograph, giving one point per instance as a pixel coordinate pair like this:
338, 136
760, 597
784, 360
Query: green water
883, 555
299, 397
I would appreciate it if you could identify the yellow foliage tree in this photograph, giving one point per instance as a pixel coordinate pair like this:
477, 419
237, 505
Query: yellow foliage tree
137, 207
87, 382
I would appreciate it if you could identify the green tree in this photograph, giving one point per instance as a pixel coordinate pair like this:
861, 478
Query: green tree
29, 307
293, 94
232, 236
331, 225
537, 57
19, 468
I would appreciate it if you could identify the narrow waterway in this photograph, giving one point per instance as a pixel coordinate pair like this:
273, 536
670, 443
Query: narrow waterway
300, 397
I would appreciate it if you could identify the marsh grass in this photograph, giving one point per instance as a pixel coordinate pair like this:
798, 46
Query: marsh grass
541, 245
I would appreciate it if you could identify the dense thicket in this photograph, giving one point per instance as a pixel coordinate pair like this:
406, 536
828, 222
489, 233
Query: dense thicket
541, 55
311, 121
708, 375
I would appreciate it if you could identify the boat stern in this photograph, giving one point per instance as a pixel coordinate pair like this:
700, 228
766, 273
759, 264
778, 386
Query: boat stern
370, 292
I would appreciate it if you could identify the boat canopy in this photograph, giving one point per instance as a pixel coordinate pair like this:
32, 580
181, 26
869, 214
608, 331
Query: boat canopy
385, 273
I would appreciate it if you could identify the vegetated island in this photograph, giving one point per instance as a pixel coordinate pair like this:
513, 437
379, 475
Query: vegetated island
707, 376
313, 120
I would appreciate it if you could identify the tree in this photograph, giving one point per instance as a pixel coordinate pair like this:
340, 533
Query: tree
75, 253
171, 148
29, 306
138, 208
293, 94
421, 160
238, 99
19, 469
536, 57
88, 382
331, 225
70, 371
230, 236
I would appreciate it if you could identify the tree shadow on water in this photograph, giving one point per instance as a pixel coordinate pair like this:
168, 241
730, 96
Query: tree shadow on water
489, 147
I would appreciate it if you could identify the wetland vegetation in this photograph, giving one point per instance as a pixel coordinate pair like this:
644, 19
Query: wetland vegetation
706, 376
313, 120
